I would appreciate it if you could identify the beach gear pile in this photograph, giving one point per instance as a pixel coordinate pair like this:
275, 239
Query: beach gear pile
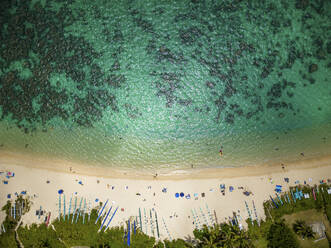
278, 188
7, 175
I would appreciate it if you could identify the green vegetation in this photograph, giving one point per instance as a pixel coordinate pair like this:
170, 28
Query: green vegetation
301, 228
285, 226
224, 235
310, 216
280, 235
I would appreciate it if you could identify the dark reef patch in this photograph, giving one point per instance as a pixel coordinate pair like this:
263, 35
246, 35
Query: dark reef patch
34, 100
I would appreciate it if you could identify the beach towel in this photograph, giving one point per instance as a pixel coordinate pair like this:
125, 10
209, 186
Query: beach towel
306, 196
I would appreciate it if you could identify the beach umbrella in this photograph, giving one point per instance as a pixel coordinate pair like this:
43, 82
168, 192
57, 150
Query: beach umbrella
293, 196
69, 208
255, 212
197, 218
194, 219
151, 221
60, 191
285, 199
101, 211
89, 213
84, 210
105, 218
146, 221
59, 206
166, 228
124, 238
129, 230
249, 212
210, 215
111, 219
279, 199
204, 217
288, 198
157, 226
314, 194
80, 205
181, 194
141, 226
74, 212
64, 207
273, 201
177, 195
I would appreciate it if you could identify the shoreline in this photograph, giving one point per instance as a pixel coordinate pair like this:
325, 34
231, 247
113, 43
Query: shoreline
57, 165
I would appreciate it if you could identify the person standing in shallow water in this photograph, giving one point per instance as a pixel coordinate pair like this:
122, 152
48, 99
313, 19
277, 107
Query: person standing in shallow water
221, 151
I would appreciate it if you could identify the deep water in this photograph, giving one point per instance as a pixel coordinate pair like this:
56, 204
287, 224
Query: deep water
165, 84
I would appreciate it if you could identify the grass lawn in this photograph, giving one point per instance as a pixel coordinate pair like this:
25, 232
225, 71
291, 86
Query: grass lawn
261, 243
310, 216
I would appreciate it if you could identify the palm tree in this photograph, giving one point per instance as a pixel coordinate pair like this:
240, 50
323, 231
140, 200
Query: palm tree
301, 228
224, 235
208, 236
309, 233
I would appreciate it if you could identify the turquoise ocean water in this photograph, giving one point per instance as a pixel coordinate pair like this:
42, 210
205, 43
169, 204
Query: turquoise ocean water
166, 84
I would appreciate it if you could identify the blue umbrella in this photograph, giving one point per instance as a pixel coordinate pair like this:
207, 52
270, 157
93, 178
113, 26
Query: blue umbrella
177, 195
273, 201
181, 194
60, 191
129, 228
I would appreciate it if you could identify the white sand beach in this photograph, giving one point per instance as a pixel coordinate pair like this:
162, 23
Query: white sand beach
130, 191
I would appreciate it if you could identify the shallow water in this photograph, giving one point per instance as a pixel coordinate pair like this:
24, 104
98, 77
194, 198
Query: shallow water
156, 85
